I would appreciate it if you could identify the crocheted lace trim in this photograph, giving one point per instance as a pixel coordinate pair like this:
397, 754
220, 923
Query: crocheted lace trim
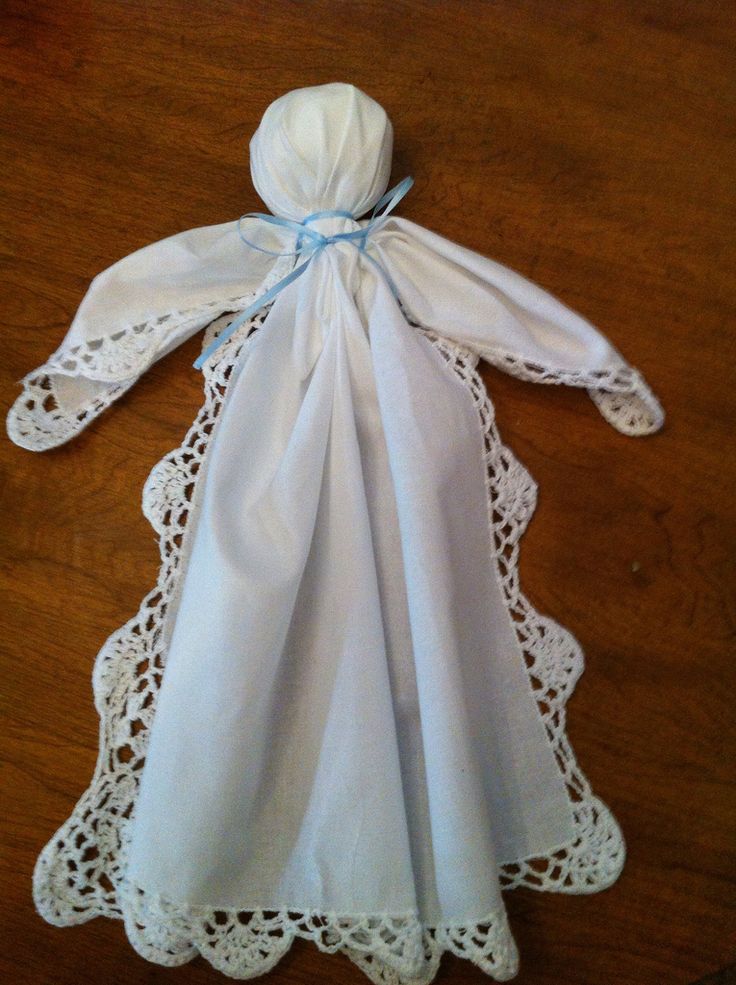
39, 419
621, 394
389, 948
81, 872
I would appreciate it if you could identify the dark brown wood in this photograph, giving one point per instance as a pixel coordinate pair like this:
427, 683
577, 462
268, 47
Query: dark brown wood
589, 146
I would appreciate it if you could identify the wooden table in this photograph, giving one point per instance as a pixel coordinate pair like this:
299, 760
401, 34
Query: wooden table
589, 146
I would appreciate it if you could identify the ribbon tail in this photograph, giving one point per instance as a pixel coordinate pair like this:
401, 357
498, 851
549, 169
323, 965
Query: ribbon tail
387, 203
251, 310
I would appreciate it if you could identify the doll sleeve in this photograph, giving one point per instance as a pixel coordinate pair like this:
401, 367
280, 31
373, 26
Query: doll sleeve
133, 314
511, 322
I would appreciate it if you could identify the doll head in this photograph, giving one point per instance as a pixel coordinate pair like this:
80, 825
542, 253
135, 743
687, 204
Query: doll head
322, 147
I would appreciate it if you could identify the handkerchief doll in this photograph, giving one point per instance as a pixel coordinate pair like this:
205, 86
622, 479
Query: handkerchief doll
335, 716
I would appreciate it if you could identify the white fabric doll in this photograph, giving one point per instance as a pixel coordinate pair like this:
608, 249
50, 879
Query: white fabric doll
335, 716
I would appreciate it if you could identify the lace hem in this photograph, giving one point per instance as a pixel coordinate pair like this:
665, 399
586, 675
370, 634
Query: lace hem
37, 420
40, 418
244, 944
621, 394
81, 872
127, 352
103, 369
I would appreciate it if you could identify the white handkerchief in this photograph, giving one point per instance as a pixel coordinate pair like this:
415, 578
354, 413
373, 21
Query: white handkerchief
336, 716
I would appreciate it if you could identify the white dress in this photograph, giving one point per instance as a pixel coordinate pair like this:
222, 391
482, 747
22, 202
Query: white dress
335, 716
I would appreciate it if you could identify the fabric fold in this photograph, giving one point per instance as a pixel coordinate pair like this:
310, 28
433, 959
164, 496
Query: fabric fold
278, 646
485, 745
513, 323
357, 709
133, 314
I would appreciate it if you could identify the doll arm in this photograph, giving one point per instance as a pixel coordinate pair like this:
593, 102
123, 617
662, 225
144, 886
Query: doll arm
511, 322
133, 314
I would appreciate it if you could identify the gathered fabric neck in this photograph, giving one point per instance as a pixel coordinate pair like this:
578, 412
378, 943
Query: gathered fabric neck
310, 242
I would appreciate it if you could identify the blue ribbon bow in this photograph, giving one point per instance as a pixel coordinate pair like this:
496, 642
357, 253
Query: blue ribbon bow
312, 241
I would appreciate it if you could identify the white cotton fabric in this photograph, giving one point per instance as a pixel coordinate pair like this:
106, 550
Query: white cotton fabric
346, 722
321, 147
344, 690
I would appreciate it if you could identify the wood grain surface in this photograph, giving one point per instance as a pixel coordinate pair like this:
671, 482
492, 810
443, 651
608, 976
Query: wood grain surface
589, 146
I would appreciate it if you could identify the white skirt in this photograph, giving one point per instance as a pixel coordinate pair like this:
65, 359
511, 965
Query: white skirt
336, 716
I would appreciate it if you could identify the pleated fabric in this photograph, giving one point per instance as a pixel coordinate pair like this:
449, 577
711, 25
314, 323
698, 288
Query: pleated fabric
346, 720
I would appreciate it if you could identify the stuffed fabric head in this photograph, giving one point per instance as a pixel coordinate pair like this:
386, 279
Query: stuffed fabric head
322, 147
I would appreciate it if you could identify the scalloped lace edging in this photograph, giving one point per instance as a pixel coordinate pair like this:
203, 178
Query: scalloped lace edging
395, 948
81, 872
621, 394
39, 419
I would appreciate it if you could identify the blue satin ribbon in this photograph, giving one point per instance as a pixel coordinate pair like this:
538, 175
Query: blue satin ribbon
311, 241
